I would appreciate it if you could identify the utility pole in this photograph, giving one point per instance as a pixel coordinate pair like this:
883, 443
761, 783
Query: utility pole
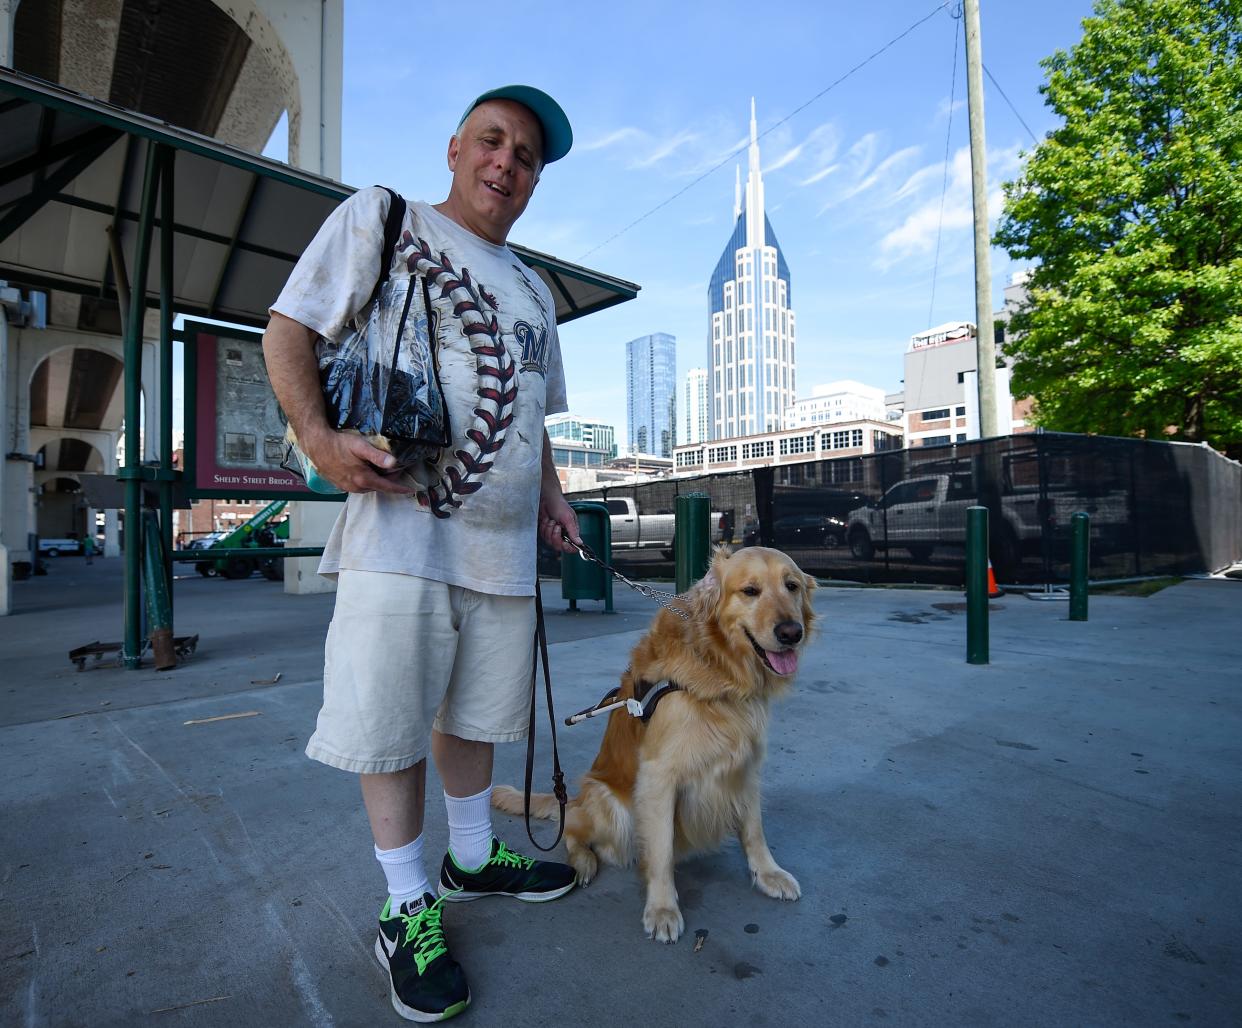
985, 343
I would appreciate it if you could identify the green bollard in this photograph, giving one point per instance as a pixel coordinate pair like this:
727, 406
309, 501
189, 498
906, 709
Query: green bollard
159, 605
691, 538
976, 585
1080, 560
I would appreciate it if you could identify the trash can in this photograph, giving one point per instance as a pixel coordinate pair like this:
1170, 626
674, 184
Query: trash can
582, 579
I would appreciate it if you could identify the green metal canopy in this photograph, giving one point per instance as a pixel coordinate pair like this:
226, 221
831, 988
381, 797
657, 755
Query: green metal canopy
80, 184
71, 169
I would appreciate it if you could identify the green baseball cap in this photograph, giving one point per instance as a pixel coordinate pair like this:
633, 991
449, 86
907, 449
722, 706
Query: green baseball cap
558, 137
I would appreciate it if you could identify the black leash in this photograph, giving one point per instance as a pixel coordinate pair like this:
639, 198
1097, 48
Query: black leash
558, 777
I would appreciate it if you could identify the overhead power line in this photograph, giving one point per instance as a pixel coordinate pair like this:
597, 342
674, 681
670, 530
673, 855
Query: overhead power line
827, 89
992, 79
944, 185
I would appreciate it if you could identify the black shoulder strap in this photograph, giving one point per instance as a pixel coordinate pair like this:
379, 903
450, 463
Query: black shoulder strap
392, 234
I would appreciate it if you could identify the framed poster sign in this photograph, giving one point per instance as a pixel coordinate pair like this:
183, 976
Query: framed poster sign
234, 428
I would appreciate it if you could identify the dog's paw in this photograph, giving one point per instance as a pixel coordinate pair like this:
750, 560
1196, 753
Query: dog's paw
779, 884
663, 924
585, 864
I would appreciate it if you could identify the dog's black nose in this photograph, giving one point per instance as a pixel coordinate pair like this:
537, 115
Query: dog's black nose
789, 633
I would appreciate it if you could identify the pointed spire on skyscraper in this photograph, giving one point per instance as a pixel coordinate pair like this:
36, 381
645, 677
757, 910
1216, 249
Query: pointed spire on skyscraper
751, 335
754, 140
754, 187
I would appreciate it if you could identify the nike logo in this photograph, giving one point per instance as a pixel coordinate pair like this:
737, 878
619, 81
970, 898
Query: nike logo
390, 945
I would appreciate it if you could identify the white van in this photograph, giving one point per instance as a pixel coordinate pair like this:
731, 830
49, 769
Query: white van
55, 547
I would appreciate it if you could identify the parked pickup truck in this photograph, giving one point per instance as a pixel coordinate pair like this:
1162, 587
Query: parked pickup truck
919, 514
632, 530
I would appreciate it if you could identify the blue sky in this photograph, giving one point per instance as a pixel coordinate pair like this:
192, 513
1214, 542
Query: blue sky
659, 93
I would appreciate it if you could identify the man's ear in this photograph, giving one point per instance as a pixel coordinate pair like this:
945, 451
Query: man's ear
454, 148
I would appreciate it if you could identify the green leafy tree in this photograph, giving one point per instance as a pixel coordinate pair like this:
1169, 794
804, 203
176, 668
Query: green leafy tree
1133, 212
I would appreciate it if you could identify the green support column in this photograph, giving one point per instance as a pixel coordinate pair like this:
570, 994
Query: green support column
691, 538
159, 598
1080, 560
977, 585
131, 473
166, 473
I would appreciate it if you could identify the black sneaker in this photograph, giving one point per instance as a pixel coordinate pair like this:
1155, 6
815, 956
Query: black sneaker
505, 873
427, 984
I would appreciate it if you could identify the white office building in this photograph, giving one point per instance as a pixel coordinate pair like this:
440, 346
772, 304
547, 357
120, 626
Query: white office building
696, 405
844, 400
941, 395
750, 334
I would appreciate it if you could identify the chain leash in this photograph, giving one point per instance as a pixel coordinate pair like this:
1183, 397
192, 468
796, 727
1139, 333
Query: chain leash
665, 600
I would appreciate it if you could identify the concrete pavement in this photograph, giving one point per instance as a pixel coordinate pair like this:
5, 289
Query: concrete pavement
1051, 839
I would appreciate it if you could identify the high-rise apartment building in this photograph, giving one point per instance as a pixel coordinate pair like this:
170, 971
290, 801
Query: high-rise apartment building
750, 348
651, 393
696, 404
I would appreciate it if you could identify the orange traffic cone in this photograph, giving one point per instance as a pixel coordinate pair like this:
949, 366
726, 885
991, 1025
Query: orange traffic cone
994, 590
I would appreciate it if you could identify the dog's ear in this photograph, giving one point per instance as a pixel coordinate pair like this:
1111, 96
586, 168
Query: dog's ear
705, 593
808, 611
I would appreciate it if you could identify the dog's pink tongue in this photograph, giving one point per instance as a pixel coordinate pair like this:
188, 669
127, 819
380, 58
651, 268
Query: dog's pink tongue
784, 662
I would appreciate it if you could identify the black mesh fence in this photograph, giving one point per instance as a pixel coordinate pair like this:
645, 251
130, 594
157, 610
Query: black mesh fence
900, 516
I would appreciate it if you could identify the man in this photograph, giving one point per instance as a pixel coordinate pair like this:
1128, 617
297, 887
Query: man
431, 640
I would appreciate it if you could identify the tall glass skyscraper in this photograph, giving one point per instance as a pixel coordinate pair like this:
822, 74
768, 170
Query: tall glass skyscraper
651, 393
750, 336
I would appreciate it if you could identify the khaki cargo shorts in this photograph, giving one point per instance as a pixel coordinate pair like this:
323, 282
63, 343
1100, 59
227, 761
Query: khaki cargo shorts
405, 655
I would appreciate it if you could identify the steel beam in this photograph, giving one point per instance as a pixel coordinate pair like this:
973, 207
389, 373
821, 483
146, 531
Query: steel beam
167, 157
131, 473
53, 184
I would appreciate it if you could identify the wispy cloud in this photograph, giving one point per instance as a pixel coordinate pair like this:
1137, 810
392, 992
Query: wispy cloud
816, 150
864, 173
891, 162
620, 135
820, 175
948, 107
787, 158
821, 147
705, 219
916, 233
665, 148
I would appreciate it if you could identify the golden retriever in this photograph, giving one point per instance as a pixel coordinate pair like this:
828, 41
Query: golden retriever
687, 778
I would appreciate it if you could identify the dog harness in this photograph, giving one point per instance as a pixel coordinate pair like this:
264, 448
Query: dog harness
642, 705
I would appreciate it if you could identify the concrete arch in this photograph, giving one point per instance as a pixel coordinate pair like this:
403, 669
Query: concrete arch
59, 512
36, 347
97, 461
100, 344
70, 382
295, 60
268, 82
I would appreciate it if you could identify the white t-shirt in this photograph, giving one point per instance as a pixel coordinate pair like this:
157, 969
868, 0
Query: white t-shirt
472, 522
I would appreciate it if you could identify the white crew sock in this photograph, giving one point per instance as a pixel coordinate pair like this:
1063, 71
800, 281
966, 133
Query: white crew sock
470, 828
403, 867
